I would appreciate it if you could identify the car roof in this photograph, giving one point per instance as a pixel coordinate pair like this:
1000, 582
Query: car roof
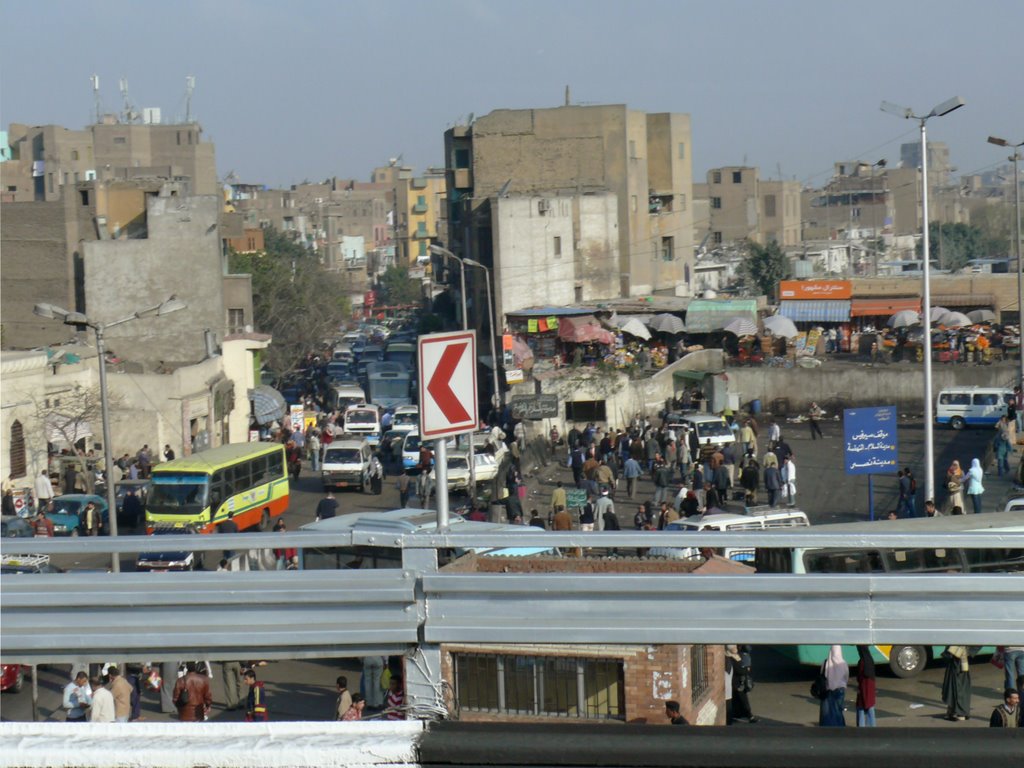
349, 442
702, 418
407, 409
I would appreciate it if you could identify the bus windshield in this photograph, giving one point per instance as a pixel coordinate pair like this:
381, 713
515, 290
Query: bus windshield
178, 494
406, 419
389, 387
360, 417
342, 456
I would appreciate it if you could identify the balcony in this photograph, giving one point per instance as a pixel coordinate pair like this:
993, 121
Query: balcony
421, 234
463, 178
420, 208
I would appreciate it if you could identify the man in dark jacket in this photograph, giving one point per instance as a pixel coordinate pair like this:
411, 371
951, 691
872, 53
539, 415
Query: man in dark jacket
192, 695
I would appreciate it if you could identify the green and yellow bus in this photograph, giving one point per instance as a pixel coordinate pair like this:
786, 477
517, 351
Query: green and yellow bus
248, 479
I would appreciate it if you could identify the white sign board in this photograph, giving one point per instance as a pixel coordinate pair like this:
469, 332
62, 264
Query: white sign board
447, 384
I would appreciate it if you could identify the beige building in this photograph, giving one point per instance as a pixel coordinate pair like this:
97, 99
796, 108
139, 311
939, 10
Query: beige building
743, 207
643, 159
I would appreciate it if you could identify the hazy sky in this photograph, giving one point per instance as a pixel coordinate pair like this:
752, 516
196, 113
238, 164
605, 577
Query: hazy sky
305, 89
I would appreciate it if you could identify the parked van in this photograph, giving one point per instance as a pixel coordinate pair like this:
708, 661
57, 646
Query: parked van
346, 463
758, 519
364, 421
345, 394
961, 407
711, 430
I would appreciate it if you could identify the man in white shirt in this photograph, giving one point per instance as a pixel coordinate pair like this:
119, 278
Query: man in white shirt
102, 709
77, 698
43, 489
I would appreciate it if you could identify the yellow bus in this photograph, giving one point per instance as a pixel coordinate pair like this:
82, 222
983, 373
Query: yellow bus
248, 479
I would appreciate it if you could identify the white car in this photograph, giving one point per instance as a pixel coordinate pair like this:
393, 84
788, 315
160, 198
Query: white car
406, 419
458, 469
711, 430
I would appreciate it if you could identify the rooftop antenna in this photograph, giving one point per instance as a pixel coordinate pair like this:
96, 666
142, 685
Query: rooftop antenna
95, 81
567, 102
190, 86
128, 115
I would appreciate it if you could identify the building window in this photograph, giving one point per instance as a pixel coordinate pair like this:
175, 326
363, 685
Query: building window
179, 137
716, 203
632, 203
85, 196
120, 140
716, 177
769, 206
19, 467
236, 320
716, 237
682, 150
737, 177
539, 686
632, 149
421, 200
585, 410
74, 154
558, 246
462, 158
49, 181
700, 671
423, 248
667, 249
682, 202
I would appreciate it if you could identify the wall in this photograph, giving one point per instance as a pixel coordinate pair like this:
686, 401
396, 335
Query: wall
182, 257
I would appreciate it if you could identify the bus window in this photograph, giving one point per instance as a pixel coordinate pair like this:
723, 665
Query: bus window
275, 465
775, 560
843, 562
989, 560
904, 560
942, 560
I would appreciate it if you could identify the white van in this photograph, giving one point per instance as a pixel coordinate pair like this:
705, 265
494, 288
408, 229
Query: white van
346, 463
364, 421
961, 407
711, 430
347, 394
407, 418
761, 519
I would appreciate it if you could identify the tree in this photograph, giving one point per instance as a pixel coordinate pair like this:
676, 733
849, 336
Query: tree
764, 266
953, 245
295, 299
996, 224
397, 288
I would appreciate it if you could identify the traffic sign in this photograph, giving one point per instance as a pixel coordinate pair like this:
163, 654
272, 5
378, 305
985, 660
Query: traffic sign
447, 384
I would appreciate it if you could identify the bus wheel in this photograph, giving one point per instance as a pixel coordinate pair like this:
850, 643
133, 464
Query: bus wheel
957, 422
908, 660
265, 521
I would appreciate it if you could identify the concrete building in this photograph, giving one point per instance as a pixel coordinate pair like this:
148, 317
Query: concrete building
420, 209
644, 160
743, 207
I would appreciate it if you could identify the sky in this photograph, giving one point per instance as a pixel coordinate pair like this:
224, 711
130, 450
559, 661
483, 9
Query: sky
300, 90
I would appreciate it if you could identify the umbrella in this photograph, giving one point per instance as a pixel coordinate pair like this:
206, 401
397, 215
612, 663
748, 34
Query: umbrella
741, 326
782, 326
955, 320
635, 328
937, 313
904, 318
267, 404
982, 316
666, 323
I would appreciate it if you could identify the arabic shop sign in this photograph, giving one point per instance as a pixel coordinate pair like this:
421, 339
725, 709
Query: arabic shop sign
534, 407
815, 289
869, 440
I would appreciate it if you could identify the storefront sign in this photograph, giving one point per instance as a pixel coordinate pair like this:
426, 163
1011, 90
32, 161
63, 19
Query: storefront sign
514, 376
869, 440
296, 413
815, 289
534, 407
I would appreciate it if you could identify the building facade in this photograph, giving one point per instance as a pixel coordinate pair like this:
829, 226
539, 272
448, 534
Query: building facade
741, 207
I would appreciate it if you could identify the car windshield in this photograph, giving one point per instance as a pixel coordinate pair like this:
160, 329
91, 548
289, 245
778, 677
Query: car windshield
170, 494
412, 443
713, 429
457, 463
404, 419
68, 506
342, 456
361, 417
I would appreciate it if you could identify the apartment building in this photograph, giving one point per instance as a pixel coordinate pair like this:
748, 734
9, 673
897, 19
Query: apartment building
742, 207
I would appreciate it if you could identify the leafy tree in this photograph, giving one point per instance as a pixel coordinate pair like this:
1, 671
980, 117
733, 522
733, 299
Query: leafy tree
764, 266
953, 245
295, 299
397, 288
996, 225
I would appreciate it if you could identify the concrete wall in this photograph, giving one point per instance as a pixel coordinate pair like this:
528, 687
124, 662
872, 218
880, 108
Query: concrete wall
181, 256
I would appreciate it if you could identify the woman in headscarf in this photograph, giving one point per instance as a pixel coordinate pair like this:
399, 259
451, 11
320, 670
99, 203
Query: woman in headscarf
974, 487
956, 685
865, 688
955, 486
837, 673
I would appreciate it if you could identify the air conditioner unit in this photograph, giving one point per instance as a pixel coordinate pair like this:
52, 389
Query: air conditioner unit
543, 206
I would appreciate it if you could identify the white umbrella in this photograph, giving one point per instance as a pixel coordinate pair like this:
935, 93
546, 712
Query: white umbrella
741, 326
666, 323
904, 318
782, 326
982, 316
937, 313
955, 320
635, 328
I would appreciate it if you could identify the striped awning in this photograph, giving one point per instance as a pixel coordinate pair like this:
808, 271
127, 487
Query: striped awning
883, 307
828, 311
707, 315
976, 300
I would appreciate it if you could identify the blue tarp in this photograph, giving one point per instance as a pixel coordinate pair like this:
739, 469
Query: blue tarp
828, 311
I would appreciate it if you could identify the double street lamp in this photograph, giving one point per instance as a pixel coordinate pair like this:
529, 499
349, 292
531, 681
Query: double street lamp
1015, 157
908, 114
52, 312
494, 329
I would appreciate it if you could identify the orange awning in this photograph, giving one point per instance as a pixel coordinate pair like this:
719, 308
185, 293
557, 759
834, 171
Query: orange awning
882, 307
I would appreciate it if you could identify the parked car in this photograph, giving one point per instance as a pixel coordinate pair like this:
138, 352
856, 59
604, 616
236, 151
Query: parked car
17, 564
159, 562
458, 469
12, 677
66, 514
15, 527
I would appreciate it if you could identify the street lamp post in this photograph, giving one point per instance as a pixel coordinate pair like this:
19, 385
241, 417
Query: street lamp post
1015, 157
874, 211
471, 456
929, 437
52, 312
498, 400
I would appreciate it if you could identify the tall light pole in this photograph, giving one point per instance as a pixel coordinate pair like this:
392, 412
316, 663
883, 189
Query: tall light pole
498, 399
874, 211
52, 312
929, 428
471, 456
1015, 157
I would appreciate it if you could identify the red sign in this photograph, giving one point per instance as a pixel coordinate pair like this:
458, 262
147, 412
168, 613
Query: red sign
370, 298
815, 289
447, 383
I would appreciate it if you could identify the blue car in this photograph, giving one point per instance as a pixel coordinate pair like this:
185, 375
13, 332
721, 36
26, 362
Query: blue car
67, 514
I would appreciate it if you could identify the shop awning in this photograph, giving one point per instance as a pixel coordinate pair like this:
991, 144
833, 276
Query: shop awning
883, 307
707, 315
580, 330
692, 375
267, 404
828, 311
974, 300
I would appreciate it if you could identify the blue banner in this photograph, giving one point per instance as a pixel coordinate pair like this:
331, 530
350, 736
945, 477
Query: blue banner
869, 440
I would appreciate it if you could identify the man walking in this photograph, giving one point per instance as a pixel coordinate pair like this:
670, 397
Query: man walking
77, 698
403, 489
814, 414
102, 709
631, 471
43, 489
231, 676
327, 507
192, 695
121, 690
603, 508
256, 701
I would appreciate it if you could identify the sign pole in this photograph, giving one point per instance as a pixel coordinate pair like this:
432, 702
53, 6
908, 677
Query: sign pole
441, 481
871, 496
